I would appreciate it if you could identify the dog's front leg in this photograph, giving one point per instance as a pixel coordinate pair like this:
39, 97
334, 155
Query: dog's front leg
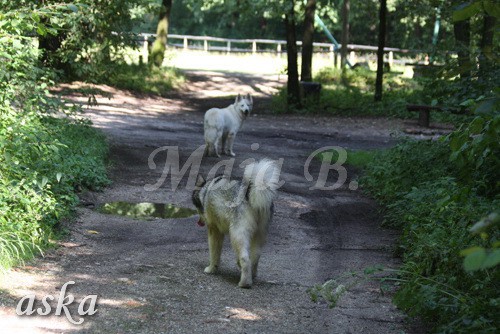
215, 241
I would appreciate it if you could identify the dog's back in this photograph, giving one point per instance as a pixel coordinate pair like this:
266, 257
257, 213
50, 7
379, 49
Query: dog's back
253, 195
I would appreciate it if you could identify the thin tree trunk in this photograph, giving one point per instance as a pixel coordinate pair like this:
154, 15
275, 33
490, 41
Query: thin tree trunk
293, 95
160, 44
307, 41
380, 52
344, 40
461, 31
487, 36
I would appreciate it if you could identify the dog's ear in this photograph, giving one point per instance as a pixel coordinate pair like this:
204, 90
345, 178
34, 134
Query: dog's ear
238, 98
249, 98
200, 181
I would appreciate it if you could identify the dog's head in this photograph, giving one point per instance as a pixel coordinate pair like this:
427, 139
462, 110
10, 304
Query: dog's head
244, 104
200, 182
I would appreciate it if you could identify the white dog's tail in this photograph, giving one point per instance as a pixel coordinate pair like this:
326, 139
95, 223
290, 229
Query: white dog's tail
262, 179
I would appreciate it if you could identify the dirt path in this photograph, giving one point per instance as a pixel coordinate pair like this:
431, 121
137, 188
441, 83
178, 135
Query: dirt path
149, 274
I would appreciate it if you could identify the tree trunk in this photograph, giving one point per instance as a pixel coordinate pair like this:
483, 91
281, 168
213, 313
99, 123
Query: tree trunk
380, 52
307, 41
344, 40
160, 44
487, 36
293, 95
461, 31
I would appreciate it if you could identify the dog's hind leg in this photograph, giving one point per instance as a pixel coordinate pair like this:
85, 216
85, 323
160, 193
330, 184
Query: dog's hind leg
223, 143
219, 143
206, 153
242, 249
255, 251
215, 241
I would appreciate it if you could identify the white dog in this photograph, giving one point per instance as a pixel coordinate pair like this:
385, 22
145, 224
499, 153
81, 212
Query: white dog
221, 125
243, 209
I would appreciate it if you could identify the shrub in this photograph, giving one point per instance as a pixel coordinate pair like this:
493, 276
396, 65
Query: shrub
44, 158
435, 207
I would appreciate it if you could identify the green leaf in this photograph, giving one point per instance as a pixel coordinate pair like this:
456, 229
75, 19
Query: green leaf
492, 8
58, 177
476, 125
72, 8
44, 181
467, 103
470, 250
475, 259
488, 106
492, 259
466, 10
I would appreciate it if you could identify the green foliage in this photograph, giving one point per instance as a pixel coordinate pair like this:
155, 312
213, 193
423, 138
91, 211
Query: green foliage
406, 166
476, 151
352, 94
43, 159
359, 159
435, 207
144, 79
479, 258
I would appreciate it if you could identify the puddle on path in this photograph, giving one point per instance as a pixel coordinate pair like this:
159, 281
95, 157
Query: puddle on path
146, 210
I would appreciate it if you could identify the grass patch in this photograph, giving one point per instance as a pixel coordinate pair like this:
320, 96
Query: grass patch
144, 79
353, 95
355, 158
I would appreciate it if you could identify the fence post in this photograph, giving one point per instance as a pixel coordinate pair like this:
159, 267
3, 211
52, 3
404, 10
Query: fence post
185, 43
278, 49
352, 57
205, 45
145, 50
254, 47
228, 47
391, 58
337, 60
332, 54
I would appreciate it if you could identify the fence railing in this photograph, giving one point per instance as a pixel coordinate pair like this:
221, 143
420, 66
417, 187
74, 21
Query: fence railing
255, 46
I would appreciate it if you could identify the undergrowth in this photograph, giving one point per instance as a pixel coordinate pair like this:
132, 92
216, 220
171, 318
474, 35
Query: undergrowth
143, 79
439, 210
46, 153
45, 161
352, 94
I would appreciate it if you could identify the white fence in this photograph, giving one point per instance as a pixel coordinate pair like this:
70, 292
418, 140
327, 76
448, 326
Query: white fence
357, 53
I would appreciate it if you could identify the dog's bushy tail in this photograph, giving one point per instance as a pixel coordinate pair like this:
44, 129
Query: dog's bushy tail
262, 180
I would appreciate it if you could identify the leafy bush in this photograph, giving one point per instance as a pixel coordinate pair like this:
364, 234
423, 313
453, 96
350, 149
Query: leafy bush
44, 158
44, 161
428, 199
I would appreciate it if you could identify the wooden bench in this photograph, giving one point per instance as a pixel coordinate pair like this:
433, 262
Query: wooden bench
424, 113
425, 110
